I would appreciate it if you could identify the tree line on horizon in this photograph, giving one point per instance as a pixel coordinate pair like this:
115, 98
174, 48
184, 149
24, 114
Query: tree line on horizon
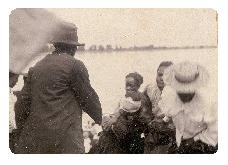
109, 48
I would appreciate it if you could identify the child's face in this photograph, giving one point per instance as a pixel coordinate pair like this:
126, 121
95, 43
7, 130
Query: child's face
131, 85
159, 78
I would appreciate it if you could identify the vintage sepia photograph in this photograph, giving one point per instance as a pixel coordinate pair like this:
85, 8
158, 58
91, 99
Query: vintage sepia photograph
113, 81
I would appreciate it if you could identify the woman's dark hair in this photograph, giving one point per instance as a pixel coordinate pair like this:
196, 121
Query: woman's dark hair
165, 63
186, 97
138, 78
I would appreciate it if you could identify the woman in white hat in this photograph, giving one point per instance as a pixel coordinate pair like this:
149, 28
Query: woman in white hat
194, 113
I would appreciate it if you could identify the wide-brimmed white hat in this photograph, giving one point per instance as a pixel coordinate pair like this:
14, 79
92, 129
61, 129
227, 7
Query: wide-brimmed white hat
186, 77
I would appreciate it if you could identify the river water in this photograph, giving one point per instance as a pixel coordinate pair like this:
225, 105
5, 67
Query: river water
107, 70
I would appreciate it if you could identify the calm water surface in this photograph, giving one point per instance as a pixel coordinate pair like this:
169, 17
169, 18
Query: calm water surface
108, 70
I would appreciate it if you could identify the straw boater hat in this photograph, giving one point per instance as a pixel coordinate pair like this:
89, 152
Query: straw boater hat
186, 77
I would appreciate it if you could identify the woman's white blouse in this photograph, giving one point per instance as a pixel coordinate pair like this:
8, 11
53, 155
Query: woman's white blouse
197, 118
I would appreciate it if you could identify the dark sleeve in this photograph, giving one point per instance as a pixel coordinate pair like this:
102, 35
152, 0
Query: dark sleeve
84, 93
145, 91
22, 106
146, 113
151, 102
147, 101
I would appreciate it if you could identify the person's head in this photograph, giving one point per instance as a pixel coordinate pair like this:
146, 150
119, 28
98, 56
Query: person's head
61, 47
160, 71
67, 42
13, 78
186, 78
133, 82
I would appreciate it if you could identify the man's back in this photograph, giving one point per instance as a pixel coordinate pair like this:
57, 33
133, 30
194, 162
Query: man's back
59, 88
51, 90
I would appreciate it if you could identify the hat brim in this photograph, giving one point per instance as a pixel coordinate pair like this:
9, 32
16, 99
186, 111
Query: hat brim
70, 43
75, 43
200, 81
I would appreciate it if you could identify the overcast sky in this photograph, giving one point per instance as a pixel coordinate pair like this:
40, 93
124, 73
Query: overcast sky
129, 27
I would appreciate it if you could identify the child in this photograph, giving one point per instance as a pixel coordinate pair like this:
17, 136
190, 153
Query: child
129, 118
122, 130
130, 104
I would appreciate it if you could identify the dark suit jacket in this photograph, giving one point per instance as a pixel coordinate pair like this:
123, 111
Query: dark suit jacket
56, 92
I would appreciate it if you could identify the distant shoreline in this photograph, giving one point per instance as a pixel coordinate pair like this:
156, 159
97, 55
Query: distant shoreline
146, 49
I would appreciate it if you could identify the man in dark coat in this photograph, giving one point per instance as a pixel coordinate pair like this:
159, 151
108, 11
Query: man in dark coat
55, 93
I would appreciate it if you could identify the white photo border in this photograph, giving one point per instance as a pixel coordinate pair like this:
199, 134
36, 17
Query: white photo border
8, 158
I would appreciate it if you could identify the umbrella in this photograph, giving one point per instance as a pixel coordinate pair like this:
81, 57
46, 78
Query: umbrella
30, 30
